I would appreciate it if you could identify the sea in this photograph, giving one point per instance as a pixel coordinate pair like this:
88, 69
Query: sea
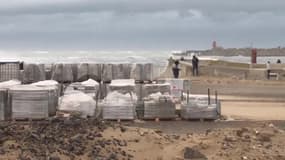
158, 58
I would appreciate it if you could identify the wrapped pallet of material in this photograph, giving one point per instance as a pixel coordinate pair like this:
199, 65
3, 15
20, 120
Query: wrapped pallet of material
9, 70
155, 88
62, 73
32, 102
94, 71
122, 85
77, 101
177, 86
107, 72
142, 72
55, 92
5, 110
198, 107
90, 87
121, 71
34, 73
118, 106
159, 106
88, 71
82, 72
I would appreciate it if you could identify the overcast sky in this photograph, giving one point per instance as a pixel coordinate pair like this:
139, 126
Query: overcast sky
140, 24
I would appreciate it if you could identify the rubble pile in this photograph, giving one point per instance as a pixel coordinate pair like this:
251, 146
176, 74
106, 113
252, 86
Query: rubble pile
60, 139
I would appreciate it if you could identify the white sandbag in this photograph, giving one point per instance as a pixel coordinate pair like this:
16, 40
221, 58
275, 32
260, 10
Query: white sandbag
79, 102
119, 106
34, 73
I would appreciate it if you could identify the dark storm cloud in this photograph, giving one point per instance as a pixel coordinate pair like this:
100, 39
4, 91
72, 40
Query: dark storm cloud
160, 24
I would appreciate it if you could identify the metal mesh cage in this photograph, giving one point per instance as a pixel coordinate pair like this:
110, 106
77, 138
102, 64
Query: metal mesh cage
9, 70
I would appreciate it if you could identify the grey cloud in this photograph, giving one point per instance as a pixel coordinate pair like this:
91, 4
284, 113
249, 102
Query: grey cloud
165, 24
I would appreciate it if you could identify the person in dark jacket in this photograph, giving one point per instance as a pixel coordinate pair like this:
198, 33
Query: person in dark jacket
176, 69
195, 65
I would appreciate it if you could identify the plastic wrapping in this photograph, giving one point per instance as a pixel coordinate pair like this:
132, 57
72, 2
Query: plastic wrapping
79, 102
34, 73
119, 106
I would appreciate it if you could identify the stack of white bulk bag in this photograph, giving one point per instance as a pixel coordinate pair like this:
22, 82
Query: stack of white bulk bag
159, 106
118, 106
198, 107
77, 101
31, 102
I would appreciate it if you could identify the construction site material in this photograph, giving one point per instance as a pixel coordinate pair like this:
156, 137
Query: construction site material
10, 83
121, 71
32, 102
107, 72
62, 73
118, 106
200, 107
159, 106
177, 86
142, 72
87, 71
122, 85
90, 87
5, 110
33, 73
9, 70
154, 88
77, 101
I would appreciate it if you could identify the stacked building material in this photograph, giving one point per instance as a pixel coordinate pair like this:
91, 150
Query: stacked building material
5, 108
77, 101
34, 73
122, 86
142, 72
87, 71
107, 72
121, 71
118, 106
9, 70
55, 93
159, 106
154, 88
32, 102
198, 107
62, 73
177, 86
89, 87
94, 71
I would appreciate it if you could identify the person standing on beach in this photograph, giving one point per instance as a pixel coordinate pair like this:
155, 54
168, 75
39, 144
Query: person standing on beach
195, 65
268, 68
176, 69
